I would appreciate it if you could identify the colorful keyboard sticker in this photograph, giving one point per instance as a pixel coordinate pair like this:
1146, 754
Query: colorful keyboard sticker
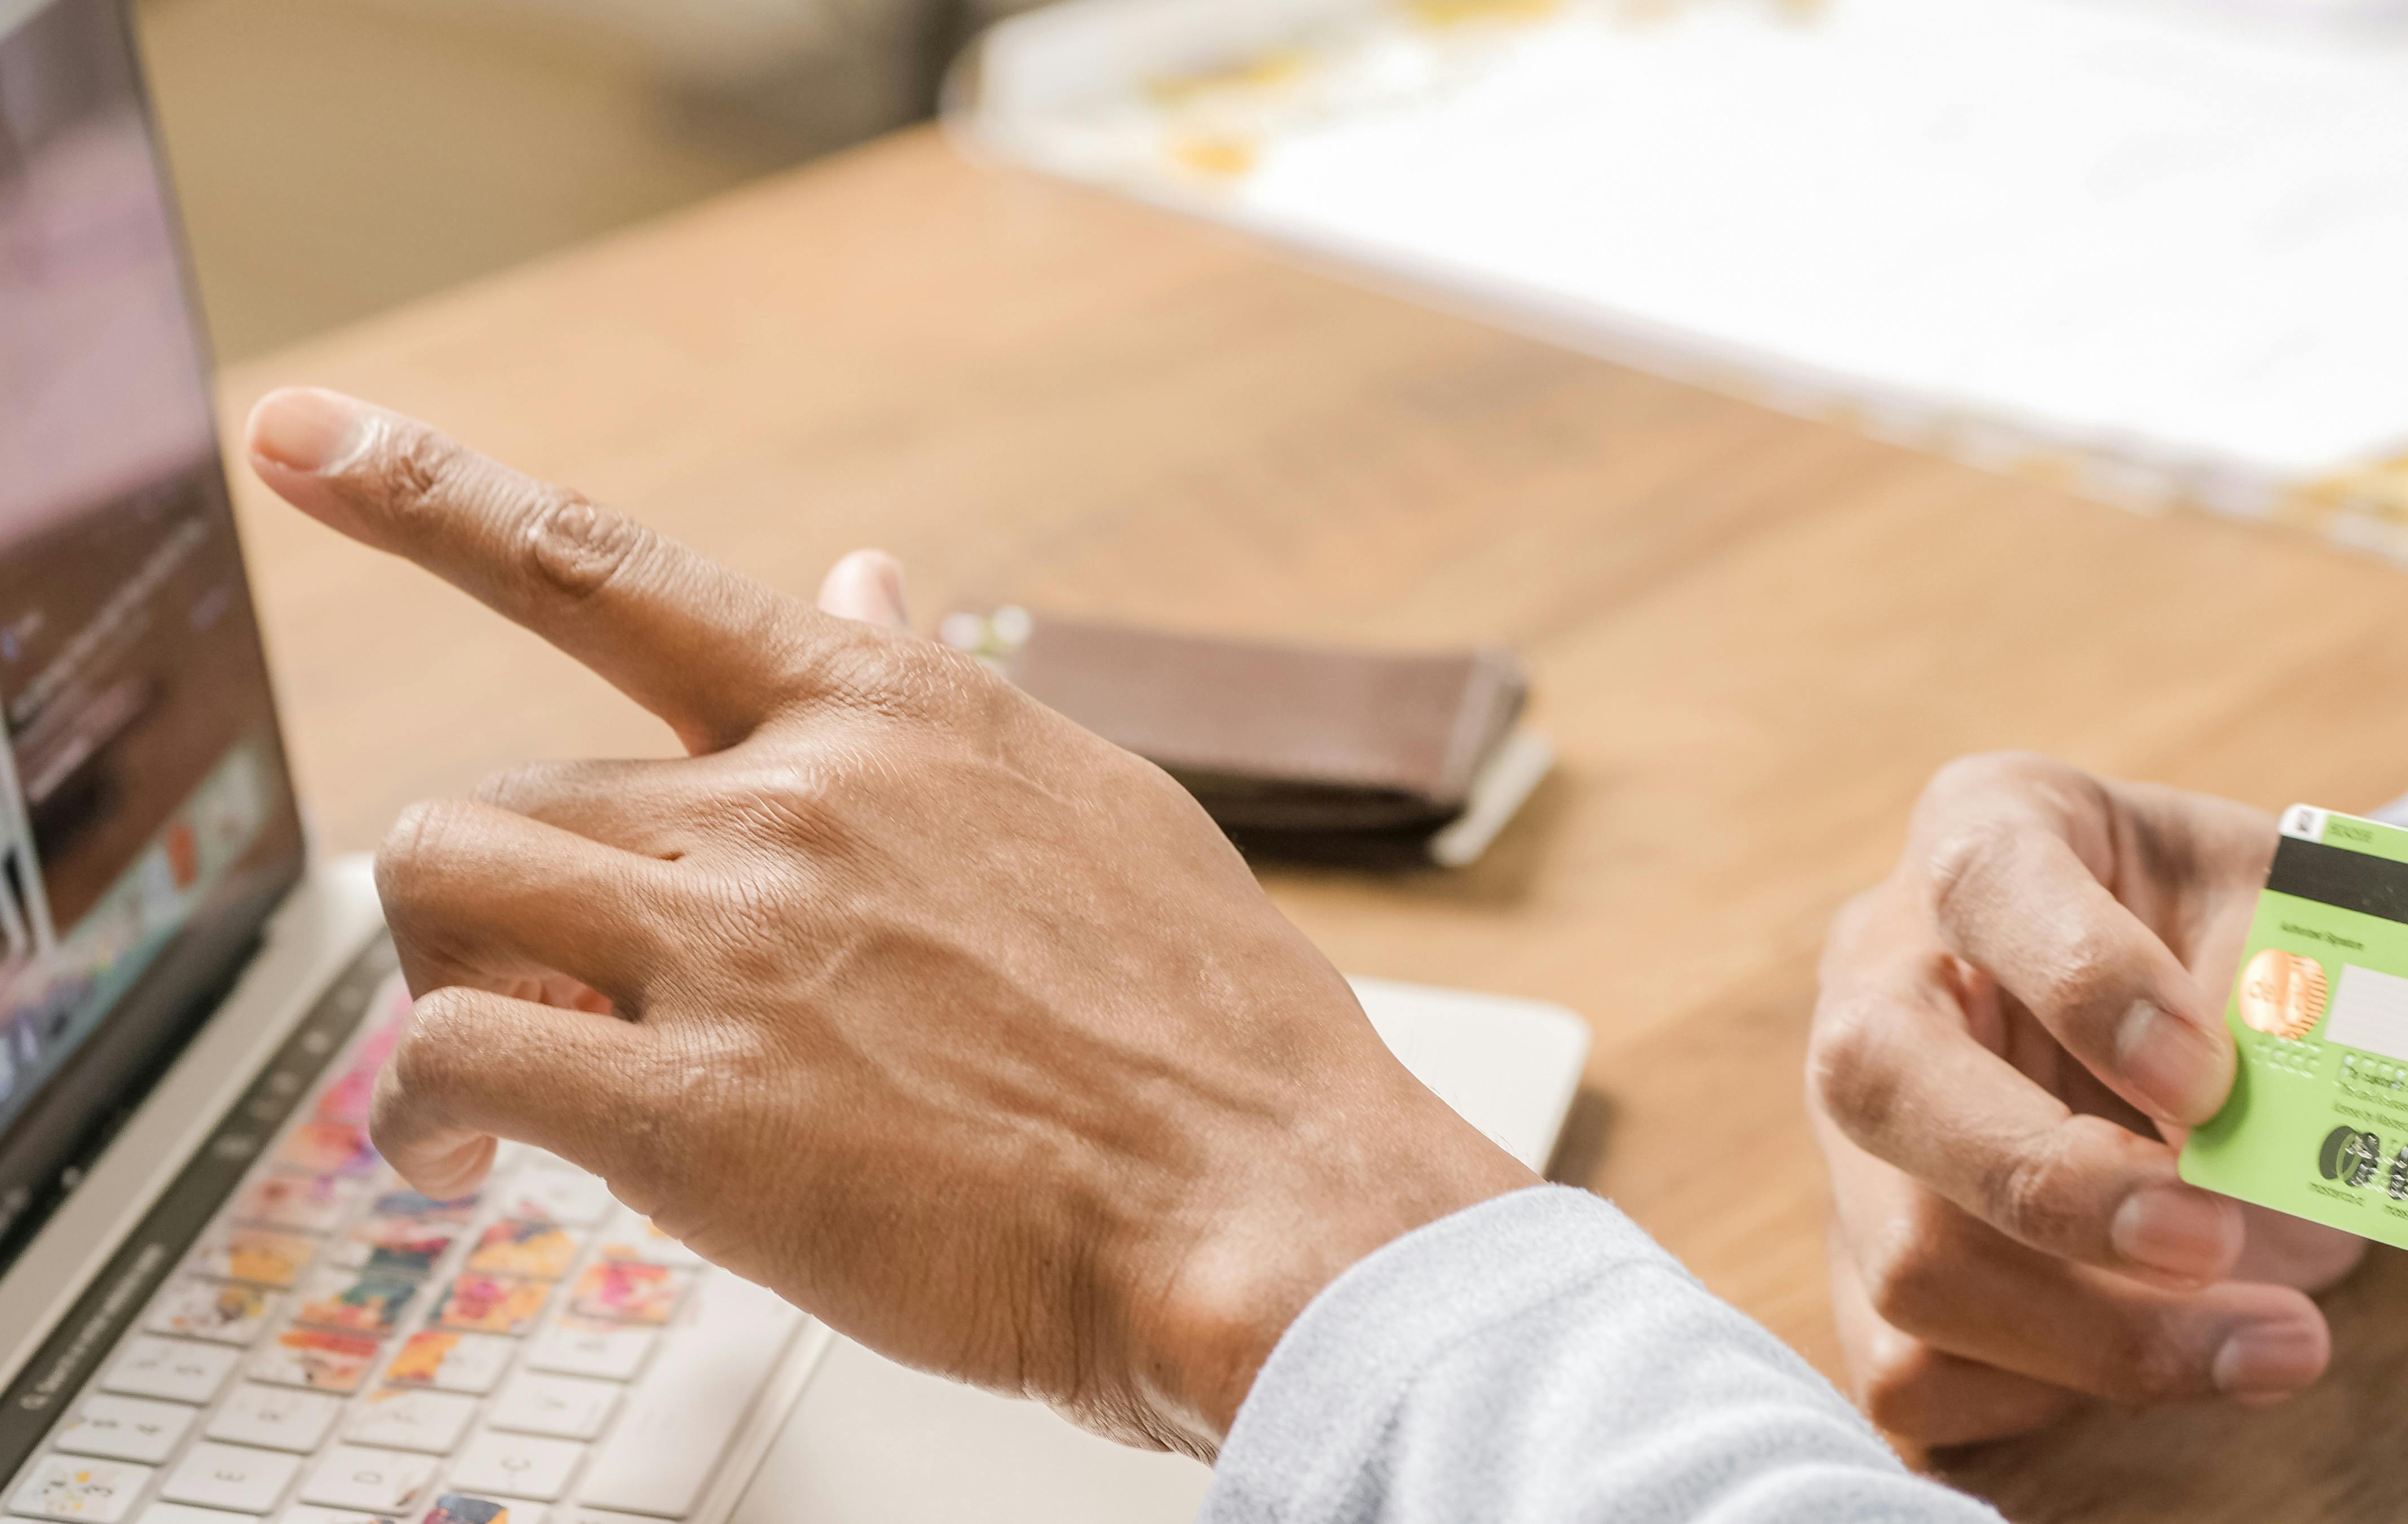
363, 1302
223, 1311
408, 1247
255, 1255
477, 1303
466, 1362
515, 1247
350, 1097
632, 1237
321, 1360
628, 1291
459, 1508
338, 1149
308, 1204
457, 1213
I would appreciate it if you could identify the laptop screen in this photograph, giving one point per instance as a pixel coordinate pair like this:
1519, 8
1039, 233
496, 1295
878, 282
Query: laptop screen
147, 825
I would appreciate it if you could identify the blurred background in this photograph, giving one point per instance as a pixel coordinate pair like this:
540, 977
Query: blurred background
2178, 292
338, 157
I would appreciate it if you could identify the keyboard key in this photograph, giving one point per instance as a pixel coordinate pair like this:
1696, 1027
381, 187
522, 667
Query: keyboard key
224, 1311
184, 1513
308, 1513
460, 1508
360, 1303
256, 1255
232, 1476
520, 1246
170, 1368
350, 1098
574, 1348
408, 1247
469, 1362
626, 1291
124, 1429
64, 1487
549, 1191
492, 1304
321, 1360
412, 1418
565, 1407
304, 1203
457, 1212
516, 1466
336, 1148
678, 1421
632, 1236
373, 1481
277, 1417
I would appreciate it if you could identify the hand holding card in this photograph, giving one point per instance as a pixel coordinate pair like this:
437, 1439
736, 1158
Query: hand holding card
2015, 1029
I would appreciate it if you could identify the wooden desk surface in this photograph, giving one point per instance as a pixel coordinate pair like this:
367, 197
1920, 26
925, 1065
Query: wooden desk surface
1753, 638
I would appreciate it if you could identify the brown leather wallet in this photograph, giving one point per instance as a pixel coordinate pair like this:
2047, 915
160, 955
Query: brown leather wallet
1289, 747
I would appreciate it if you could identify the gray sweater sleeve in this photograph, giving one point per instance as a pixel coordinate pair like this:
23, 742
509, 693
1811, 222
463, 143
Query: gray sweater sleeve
1538, 1359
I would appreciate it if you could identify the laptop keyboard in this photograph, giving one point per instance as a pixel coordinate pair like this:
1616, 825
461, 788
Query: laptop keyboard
338, 1349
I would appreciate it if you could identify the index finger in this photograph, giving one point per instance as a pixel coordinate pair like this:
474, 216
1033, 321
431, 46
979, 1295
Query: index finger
710, 652
2011, 894
1894, 1068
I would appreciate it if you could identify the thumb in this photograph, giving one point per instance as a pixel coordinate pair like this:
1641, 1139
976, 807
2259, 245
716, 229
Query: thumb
866, 586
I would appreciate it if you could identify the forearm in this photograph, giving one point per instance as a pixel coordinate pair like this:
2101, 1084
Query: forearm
1539, 1359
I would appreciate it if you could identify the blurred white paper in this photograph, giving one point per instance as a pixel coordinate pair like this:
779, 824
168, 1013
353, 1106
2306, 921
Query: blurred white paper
2158, 251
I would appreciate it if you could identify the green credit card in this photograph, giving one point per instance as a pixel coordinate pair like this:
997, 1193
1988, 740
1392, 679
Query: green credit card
2317, 1125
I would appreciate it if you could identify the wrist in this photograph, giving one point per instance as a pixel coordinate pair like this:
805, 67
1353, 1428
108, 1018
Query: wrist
1242, 1269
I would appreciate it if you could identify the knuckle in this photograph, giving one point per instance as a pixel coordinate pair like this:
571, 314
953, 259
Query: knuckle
1893, 1387
1911, 1272
1854, 918
864, 668
1984, 774
1964, 861
2142, 1362
674, 1107
2090, 975
795, 800
574, 548
500, 788
2031, 1193
514, 787
423, 1066
419, 841
1846, 1073
413, 468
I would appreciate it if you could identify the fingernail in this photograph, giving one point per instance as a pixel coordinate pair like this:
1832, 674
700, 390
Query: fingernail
2270, 1360
2182, 1074
2178, 1230
890, 582
308, 430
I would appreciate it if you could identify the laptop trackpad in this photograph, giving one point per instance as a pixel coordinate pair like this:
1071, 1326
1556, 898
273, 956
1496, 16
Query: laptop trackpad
875, 1444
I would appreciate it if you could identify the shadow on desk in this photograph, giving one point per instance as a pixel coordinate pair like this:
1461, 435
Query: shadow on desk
1400, 866
2337, 1452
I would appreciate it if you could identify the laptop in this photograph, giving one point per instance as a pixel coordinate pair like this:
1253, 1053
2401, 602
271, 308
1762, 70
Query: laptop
218, 1305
